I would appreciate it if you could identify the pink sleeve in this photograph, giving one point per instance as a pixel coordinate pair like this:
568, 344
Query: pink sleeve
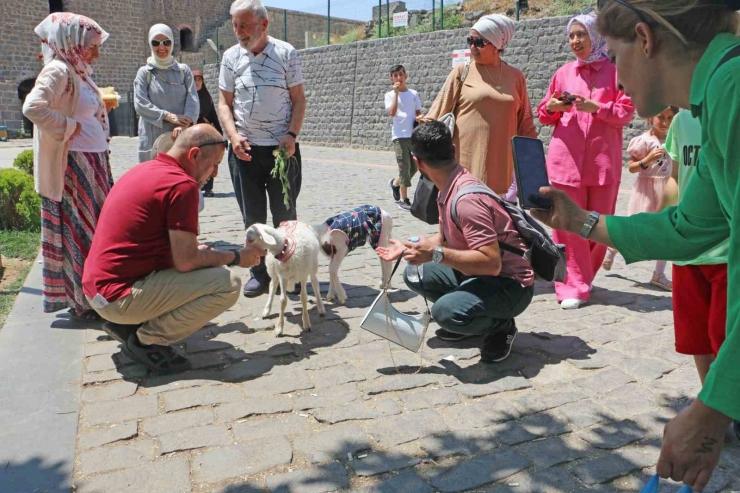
616, 113
637, 149
545, 117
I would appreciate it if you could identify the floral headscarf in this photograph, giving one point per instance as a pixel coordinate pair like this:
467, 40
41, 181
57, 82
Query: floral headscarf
598, 43
66, 36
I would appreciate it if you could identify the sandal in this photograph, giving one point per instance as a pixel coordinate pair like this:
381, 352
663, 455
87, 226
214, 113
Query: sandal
161, 359
661, 281
85, 316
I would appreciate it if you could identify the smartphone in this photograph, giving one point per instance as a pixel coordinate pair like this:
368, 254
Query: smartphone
567, 97
531, 172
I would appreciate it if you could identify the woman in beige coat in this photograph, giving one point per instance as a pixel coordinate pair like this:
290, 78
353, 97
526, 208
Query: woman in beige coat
71, 166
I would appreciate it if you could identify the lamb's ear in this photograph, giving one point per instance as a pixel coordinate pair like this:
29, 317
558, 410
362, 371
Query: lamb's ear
268, 239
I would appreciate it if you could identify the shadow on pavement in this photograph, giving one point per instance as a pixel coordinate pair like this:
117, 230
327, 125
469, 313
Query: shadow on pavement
35, 475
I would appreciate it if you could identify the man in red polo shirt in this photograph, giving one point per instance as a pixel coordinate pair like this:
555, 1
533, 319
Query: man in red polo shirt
145, 272
476, 287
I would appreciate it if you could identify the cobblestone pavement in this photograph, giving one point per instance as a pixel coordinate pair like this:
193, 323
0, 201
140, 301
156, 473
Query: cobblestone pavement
579, 405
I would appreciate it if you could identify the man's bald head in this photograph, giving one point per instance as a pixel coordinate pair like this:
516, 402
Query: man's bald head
199, 149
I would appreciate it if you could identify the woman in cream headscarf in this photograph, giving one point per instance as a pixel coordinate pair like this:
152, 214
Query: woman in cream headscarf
164, 93
493, 105
71, 164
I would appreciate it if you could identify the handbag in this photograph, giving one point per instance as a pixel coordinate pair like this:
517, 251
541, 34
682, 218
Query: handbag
652, 486
424, 207
400, 328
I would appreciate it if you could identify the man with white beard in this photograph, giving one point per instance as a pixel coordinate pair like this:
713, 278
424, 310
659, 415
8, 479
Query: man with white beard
261, 107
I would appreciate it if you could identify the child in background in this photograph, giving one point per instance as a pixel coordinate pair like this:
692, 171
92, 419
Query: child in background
404, 105
654, 165
700, 297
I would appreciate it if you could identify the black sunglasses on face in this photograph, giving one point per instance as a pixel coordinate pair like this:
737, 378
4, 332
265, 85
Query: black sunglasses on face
477, 42
224, 142
602, 3
166, 42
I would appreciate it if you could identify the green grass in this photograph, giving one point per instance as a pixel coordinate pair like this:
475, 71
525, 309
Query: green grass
568, 7
22, 246
19, 244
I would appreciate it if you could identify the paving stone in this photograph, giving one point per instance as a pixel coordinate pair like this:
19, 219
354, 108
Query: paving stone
320, 479
337, 375
602, 320
324, 359
646, 368
171, 475
128, 372
166, 383
240, 460
246, 370
134, 407
635, 482
505, 384
250, 407
109, 392
382, 462
601, 335
103, 362
358, 411
192, 438
460, 442
110, 434
406, 482
105, 347
553, 451
479, 414
206, 341
629, 400
334, 443
394, 383
604, 381
289, 424
170, 422
329, 397
193, 397
280, 383
584, 413
617, 464
481, 471
529, 428
406, 427
550, 481
116, 457
544, 399
613, 435
602, 358
431, 398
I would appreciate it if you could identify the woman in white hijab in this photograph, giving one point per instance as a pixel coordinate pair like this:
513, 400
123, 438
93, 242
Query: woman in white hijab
164, 93
491, 106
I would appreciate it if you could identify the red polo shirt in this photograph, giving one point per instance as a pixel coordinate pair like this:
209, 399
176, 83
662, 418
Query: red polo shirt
132, 235
483, 221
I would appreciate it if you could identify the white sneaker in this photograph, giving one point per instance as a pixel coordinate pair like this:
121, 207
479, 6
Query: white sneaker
571, 304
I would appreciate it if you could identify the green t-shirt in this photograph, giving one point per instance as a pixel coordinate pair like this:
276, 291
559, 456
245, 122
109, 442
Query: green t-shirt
683, 143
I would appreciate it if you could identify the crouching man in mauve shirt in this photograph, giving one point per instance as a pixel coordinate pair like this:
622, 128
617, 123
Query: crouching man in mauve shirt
146, 272
477, 288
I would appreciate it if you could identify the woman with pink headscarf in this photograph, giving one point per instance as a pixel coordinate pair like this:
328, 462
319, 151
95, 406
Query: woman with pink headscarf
588, 110
490, 107
71, 166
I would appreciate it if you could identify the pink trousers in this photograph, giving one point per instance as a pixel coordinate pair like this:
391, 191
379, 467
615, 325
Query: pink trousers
584, 257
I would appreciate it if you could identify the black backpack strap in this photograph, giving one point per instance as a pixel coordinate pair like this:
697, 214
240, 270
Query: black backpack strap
482, 189
732, 53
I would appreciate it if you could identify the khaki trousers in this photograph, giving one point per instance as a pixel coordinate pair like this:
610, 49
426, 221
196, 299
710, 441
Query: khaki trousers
172, 305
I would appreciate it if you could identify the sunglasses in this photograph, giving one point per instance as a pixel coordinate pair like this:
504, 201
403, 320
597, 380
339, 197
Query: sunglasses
224, 142
477, 42
166, 42
602, 3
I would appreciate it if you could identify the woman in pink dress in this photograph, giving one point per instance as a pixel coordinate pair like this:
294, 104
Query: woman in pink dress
588, 110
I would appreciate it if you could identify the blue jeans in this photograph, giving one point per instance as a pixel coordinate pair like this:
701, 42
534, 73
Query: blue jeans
471, 305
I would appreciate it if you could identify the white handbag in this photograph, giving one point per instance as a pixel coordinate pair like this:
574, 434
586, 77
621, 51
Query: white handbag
384, 320
449, 118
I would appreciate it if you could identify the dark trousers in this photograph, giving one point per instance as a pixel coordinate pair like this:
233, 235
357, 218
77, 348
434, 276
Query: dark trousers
254, 187
471, 305
208, 187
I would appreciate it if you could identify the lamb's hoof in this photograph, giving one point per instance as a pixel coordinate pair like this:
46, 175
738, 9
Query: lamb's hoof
278, 332
342, 300
265, 313
329, 298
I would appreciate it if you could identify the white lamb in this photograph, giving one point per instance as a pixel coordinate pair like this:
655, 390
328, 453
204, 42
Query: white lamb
292, 256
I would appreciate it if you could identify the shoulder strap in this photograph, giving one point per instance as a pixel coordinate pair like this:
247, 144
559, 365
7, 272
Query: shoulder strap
732, 53
463, 76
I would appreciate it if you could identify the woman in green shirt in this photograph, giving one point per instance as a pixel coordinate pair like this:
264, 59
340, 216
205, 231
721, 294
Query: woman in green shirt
674, 53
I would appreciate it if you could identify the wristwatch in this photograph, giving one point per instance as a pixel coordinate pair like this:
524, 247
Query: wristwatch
589, 224
438, 254
237, 259
642, 165
292, 134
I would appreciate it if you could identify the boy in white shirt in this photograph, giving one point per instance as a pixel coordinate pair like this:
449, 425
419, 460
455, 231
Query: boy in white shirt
404, 105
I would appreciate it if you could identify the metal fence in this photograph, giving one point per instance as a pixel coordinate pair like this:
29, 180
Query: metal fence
123, 120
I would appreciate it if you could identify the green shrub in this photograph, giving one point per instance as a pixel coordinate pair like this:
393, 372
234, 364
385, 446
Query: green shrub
24, 161
20, 205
